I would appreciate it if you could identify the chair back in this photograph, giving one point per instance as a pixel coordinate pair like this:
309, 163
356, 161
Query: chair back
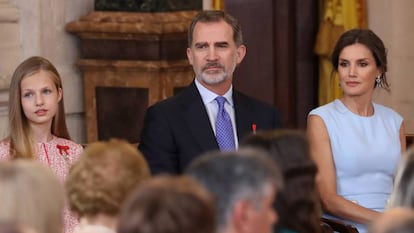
325, 228
339, 226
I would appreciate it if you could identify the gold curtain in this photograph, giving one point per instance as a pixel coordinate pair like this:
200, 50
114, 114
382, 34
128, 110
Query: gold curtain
217, 4
338, 17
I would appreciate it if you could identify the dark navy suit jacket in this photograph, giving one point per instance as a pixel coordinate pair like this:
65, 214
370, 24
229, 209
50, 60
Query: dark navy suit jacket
178, 129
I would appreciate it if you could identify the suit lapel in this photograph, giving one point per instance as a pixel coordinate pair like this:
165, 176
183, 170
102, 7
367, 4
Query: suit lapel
197, 119
243, 116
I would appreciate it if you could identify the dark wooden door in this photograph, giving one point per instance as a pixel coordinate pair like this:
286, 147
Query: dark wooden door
280, 67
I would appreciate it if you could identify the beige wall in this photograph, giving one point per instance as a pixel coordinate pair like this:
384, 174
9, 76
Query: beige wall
393, 22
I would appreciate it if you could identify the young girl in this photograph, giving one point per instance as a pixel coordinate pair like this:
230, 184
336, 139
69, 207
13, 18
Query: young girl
37, 121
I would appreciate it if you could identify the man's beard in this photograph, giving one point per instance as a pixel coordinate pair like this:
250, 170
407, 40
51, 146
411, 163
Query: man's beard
216, 77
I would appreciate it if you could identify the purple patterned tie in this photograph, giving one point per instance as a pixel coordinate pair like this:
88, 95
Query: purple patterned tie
224, 128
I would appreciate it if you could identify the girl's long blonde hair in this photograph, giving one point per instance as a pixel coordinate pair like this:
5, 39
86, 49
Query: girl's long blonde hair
21, 143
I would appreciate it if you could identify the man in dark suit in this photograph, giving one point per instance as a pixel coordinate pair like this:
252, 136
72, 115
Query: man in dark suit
182, 127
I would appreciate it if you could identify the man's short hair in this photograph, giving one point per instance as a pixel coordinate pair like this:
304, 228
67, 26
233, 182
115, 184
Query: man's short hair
211, 16
245, 174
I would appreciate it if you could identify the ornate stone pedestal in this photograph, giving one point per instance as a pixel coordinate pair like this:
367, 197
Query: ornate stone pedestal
129, 61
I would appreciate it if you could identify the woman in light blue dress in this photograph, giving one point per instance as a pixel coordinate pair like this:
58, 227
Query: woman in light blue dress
355, 142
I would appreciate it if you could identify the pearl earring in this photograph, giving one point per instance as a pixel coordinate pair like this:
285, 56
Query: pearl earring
378, 81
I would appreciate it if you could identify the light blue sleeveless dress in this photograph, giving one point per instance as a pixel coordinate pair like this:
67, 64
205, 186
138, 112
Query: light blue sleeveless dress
366, 152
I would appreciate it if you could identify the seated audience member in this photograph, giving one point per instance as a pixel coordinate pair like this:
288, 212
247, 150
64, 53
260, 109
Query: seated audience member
244, 184
167, 204
11, 227
403, 193
100, 181
397, 220
31, 196
297, 204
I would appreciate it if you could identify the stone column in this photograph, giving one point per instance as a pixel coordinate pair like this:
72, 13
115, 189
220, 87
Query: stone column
10, 52
392, 22
10, 42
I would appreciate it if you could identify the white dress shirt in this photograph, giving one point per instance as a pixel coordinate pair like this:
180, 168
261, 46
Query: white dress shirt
209, 100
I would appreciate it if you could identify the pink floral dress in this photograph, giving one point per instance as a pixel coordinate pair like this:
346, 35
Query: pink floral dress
58, 154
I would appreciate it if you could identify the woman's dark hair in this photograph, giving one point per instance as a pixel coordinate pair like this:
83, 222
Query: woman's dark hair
298, 203
372, 42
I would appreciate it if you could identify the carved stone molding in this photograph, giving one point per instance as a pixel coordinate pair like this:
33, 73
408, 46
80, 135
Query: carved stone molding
129, 62
9, 28
8, 13
118, 92
110, 24
4, 81
133, 36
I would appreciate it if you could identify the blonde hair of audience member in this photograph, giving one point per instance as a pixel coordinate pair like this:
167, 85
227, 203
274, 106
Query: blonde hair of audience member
101, 179
297, 204
403, 193
397, 220
21, 142
168, 204
31, 196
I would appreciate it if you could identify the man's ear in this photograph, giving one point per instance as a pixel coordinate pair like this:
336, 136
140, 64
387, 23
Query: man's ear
240, 216
190, 56
241, 52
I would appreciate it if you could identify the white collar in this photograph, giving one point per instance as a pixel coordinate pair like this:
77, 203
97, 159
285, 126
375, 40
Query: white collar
208, 96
